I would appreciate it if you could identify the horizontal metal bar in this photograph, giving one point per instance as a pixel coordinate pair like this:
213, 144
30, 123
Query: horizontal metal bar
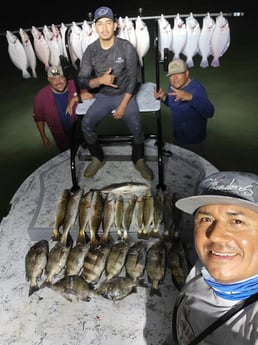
215, 14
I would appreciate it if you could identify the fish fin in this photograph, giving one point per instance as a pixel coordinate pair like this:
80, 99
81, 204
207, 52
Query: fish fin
141, 282
154, 292
86, 299
215, 62
33, 289
204, 63
26, 74
45, 284
56, 235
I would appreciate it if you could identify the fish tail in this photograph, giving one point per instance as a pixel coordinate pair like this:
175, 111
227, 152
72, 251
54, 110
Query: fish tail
26, 74
56, 235
46, 283
204, 63
33, 289
155, 292
215, 62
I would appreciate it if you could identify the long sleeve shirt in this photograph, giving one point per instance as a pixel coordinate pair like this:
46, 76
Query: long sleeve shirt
190, 117
121, 57
200, 307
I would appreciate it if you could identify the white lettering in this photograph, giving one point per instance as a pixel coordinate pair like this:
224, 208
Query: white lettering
232, 186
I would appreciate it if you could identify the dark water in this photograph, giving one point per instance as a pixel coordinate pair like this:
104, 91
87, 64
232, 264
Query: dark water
56, 12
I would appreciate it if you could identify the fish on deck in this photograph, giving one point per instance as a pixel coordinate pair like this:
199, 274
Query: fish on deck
116, 288
125, 187
156, 266
73, 288
56, 262
35, 263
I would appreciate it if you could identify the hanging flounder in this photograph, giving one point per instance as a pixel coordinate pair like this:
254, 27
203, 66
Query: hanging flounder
204, 44
142, 39
220, 39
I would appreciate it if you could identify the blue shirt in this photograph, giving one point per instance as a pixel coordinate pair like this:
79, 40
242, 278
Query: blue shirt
190, 117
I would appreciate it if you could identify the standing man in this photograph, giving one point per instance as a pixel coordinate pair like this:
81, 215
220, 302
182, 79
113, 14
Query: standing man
190, 107
54, 106
225, 210
109, 67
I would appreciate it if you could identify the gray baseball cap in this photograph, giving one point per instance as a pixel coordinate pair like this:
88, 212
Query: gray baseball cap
224, 187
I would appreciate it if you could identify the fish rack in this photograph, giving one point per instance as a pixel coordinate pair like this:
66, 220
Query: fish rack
70, 72
106, 139
156, 111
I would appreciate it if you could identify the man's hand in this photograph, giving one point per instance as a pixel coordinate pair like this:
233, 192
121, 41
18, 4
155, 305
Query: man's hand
161, 94
46, 142
181, 95
108, 78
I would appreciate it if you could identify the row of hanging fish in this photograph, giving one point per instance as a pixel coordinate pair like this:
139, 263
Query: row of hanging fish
48, 44
117, 209
188, 38
112, 270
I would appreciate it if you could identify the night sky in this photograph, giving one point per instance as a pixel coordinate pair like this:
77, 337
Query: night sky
19, 15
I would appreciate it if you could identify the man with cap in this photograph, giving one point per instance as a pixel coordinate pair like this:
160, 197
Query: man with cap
190, 107
109, 67
225, 276
54, 105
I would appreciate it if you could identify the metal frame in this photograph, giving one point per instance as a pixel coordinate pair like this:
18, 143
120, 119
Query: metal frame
69, 71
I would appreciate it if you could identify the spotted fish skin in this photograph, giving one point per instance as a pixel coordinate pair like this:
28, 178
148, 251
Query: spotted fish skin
75, 259
177, 262
95, 261
116, 259
136, 260
116, 288
60, 215
156, 265
73, 288
35, 263
56, 262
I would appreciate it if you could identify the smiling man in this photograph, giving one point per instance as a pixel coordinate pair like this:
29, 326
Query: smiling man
225, 210
109, 67
190, 107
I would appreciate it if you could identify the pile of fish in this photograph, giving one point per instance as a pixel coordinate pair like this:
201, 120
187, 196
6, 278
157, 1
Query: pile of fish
186, 37
106, 266
119, 208
46, 45
113, 270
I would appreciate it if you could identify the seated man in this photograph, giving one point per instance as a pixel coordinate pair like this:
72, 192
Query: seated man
109, 68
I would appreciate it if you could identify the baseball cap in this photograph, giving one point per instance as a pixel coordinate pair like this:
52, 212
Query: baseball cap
224, 187
103, 11
176, 66
54, 71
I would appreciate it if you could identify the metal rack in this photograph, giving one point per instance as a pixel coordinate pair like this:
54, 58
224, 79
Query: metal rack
75, 142
157, 112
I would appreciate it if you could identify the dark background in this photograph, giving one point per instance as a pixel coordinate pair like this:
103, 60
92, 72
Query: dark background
42, 13
233, 87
